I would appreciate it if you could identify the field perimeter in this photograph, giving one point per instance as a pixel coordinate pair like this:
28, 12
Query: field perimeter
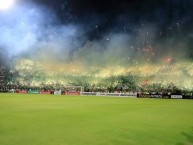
76, 120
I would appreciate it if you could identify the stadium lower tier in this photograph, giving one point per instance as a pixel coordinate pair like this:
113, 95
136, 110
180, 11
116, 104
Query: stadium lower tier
163, 95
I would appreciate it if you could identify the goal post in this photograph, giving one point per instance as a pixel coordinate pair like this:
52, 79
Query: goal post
73, 90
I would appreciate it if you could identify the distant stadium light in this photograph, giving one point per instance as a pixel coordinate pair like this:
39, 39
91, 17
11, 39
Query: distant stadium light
6, 4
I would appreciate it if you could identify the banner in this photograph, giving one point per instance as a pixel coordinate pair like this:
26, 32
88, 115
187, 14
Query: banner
88, 93
156, 96
176, 96
21, 92
45, 92
33, 92
131, 95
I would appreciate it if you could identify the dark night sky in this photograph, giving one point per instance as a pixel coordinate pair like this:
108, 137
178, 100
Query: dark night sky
103, 16
163, 12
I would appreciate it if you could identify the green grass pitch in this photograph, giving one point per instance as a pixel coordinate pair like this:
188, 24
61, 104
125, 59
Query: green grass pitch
84, 120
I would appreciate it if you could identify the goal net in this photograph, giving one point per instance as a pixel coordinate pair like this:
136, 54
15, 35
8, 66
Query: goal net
73, 90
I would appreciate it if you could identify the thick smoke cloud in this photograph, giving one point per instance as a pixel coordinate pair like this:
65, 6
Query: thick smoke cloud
31, 29
20, 29
36, 31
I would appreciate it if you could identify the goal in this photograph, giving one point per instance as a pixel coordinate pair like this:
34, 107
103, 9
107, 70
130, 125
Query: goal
73, 90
